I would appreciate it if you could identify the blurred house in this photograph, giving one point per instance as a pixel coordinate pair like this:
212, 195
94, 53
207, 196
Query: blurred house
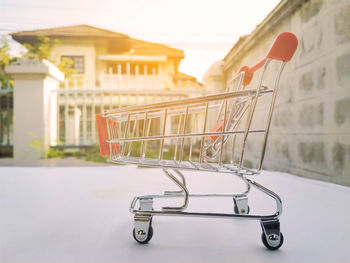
112, 70
310, 133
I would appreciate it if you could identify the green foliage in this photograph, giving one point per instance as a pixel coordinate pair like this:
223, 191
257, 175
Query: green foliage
5, 59
43, 49
55, 153
91, 154
38, 145
66, 66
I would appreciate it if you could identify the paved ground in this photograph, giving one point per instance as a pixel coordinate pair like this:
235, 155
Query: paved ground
48, 162
80, 215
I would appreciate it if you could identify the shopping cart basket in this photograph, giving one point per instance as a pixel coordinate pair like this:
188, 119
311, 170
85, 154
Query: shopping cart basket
210, 133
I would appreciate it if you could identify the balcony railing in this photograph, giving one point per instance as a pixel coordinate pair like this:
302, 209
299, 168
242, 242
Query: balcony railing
121, 82
135, 82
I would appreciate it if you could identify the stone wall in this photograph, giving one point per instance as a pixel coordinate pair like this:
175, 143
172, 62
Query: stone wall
310, 132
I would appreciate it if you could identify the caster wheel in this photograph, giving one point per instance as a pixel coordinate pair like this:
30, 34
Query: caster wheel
273, 244
235, 209
148, 238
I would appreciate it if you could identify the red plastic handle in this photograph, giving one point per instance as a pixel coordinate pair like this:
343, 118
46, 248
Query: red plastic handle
218, 127
282, 49
102, 134
284, 46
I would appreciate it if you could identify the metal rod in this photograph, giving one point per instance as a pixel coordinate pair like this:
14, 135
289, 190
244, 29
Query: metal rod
181, 175
147, 134
223, 130
154, 138
177, 138
133, 134
198, 100
163, 133
143, 133
233, 148
268, 124
183, 132
251, 112
270, 193
125, 134
204, 129
183, 189
191, 140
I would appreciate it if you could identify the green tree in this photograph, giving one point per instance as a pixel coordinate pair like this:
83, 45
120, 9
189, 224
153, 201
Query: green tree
66, 66
43, 48
5, 59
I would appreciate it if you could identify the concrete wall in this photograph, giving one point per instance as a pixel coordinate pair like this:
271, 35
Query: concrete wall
310, 133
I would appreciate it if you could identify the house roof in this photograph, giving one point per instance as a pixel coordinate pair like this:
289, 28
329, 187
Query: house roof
182, 76
68, 31
139, 47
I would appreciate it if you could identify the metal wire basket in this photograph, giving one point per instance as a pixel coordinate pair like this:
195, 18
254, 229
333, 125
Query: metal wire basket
209, 133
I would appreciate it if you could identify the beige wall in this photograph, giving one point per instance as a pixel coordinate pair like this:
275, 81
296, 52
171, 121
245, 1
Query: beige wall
310, 133
79, 48
94, 67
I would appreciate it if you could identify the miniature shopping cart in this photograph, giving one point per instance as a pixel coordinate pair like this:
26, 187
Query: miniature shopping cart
213, 133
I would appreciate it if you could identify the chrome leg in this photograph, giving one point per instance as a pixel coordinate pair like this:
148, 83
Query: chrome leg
183, 187
269, 193
183, 182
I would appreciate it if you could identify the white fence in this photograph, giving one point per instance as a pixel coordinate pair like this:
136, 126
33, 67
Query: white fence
6, 116
119, 82
76, 110
53, 114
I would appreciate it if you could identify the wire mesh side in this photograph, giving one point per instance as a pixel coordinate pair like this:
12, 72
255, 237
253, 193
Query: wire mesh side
206, 133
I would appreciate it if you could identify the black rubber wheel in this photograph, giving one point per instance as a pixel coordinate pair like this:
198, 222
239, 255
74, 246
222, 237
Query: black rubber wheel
149, 236
235, 209
263, 239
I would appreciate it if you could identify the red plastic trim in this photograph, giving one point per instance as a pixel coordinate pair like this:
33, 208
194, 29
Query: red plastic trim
284, 46
218, 127
102, 134
282, 49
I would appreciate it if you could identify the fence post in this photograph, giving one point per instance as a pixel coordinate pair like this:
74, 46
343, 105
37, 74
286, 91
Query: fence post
35, 116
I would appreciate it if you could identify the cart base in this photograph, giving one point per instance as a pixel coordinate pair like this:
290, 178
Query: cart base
272, 238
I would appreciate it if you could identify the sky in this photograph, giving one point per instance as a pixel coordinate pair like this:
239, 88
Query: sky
205, 30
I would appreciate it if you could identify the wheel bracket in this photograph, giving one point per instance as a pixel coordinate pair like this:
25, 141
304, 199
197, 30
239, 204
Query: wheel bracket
271, 230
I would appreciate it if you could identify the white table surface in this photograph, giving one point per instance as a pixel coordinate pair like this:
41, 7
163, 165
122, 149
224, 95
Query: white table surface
81, 215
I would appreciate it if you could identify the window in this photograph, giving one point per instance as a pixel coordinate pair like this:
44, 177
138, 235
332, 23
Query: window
78, 63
